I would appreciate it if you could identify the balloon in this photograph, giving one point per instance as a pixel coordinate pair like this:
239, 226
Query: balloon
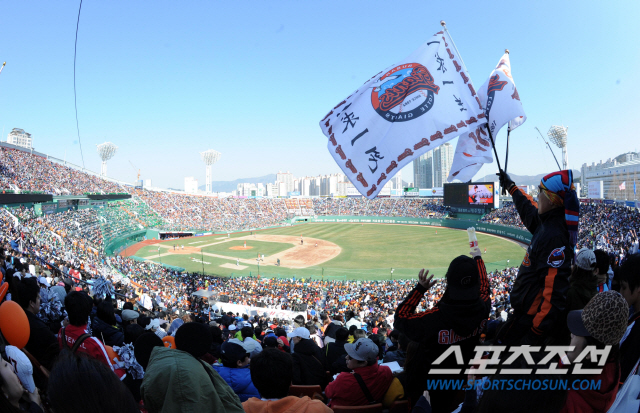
112, 354
14, 324
3, 290
169, 341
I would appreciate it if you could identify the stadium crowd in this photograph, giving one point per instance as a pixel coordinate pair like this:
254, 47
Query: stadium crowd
608, 227
111, 334
34, 173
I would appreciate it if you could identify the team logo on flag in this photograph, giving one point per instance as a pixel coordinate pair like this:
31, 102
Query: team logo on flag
556, 258
404, 93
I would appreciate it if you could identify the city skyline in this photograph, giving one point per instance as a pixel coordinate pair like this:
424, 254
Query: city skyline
163, 84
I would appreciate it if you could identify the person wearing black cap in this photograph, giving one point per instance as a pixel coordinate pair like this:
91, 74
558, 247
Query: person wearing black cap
235, 370
457, 319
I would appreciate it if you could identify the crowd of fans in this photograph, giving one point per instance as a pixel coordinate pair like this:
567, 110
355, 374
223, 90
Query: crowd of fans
28, 172
23, 171
608, 227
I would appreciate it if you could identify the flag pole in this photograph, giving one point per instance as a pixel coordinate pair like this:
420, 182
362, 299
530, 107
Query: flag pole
444, 25
506, 158
3, 65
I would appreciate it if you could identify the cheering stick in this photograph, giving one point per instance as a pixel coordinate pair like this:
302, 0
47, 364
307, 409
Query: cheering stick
3, 65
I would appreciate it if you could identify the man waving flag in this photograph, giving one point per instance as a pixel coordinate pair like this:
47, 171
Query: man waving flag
501, 101
400, 113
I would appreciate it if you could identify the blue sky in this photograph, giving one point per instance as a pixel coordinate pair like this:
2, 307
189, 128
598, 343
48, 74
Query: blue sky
165, 80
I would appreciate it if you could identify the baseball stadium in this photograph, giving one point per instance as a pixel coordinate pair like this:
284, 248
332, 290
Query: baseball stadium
304, 238
406, 267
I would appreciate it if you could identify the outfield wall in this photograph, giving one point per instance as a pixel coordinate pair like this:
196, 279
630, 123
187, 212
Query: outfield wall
499, 230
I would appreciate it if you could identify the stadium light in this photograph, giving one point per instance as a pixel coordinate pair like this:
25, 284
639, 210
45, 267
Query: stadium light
106, 151
209, 157
558, 135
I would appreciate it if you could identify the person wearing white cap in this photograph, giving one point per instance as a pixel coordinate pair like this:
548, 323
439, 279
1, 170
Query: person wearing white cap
12, 391
22, 366
583, 283
309, 361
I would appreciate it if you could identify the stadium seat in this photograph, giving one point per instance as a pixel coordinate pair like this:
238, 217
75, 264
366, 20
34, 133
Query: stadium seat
300, 391
371, 408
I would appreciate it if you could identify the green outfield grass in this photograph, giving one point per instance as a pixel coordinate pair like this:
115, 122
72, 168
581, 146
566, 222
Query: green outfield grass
368, 251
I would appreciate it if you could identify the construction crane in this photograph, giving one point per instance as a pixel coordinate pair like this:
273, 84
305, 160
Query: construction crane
134, 168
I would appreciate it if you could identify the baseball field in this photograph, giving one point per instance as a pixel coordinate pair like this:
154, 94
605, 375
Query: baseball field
332, 251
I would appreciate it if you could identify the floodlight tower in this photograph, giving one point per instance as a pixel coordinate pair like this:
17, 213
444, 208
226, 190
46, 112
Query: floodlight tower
558, 135
209, 157
106, 151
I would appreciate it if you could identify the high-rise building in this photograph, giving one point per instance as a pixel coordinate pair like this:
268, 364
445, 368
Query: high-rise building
432, 168
422, 171
442, 161
287, 180
21, 138
190, 185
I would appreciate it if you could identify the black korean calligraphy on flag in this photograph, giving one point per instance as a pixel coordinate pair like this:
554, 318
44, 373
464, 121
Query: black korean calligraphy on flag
400, 113
502, 104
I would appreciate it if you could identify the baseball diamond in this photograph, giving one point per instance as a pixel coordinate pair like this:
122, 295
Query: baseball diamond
349, 251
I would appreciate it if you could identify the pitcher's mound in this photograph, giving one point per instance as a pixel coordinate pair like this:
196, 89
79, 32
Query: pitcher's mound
240, 248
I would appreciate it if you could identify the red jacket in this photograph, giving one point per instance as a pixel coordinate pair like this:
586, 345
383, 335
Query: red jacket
91, 346
586, 401
345, 390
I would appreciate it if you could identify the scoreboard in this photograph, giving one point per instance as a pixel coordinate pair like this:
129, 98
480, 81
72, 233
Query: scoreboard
471, 197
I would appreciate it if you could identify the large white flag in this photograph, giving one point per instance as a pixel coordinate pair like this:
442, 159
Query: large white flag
400, 113
501, 101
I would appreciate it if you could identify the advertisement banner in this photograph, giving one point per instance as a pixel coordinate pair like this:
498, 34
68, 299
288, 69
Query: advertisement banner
260, 311
595, 190
432, 192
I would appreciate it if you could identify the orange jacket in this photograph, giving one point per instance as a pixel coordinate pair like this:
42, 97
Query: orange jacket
289, 404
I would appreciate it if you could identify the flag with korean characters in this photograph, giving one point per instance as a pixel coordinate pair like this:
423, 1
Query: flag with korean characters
502, 105
408, 109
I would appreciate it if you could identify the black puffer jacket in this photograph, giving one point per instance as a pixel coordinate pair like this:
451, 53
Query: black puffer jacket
309, 364
336, 357
104, 332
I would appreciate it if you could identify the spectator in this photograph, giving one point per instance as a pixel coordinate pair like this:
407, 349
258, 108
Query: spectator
542, 281
309, 362
216, 342
458, 318
602, 323
252, 346
78, 383
201, 387
399, 355
129, 317
629, 278
235, 370
76, 335
602, 271
336, 353
582, 283
313, 333
11, 392
42, 342
103, 325
272, 374
369, 382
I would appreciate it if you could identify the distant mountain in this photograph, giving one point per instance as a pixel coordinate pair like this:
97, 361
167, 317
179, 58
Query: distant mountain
228, 186
523, 179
